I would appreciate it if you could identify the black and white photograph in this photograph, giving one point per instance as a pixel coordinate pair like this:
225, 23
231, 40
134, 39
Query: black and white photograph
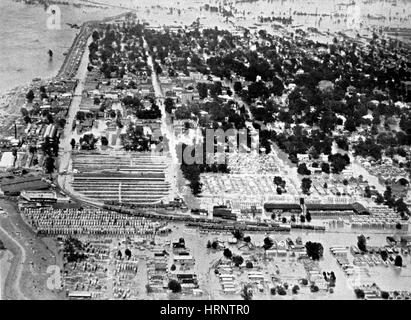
205, 150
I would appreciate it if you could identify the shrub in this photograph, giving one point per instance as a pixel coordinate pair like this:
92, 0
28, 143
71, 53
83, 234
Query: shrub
362, 243
384, 255
174, 286
398, 261
249, 265
359, 293
295, 289
385, 295
238, 260
281, 291
314, 250
227, 253
314, 288
238, 234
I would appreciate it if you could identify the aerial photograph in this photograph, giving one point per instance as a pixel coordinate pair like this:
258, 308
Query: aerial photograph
205, 150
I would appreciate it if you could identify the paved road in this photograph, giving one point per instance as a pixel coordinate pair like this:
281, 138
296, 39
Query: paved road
167, 128
65, 146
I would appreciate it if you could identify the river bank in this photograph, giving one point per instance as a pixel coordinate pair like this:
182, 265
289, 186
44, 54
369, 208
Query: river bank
26, 38
5, 262
30, 257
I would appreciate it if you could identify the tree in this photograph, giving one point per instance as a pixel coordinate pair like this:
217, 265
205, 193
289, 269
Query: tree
303, 170
362, 243
308, 216
379, 199
127, 252
338, 162
401, 206
277, 180
388, 193
384, 255
247, 292
314, 288
268, 243
273, 216
325, 167
159, 70
30, 96
295, 289
284, 220
169, 105
104, 141
238, 260
314, 250
49, 164
174, 286
238, 234
247, 239
367, 192
281, 291
249, 265
214, 245
306, 185
202, 90
359, 293
350, 125
24, 112
73, 143
227, 253
385, 295
2, 247
173, 267
95, 35
73, 250
398, 261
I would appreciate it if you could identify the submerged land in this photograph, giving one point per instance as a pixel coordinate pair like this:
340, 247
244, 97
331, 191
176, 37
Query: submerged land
95, 180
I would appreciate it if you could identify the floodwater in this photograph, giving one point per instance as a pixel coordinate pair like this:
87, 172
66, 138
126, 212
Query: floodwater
387, 278
26, 39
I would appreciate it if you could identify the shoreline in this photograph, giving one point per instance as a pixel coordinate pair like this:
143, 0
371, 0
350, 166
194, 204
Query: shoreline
7, 94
